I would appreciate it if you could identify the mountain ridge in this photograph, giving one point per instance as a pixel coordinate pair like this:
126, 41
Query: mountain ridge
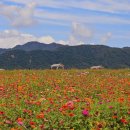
82, 56
35, 45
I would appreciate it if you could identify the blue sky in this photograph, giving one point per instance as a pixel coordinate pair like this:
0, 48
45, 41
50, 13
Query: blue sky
72, 22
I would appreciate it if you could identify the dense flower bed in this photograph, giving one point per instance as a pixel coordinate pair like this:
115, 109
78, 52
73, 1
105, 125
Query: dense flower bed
65, 99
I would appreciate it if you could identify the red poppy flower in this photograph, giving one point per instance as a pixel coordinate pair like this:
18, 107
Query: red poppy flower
124, 121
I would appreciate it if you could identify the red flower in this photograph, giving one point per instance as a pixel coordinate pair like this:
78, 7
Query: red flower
121, 100
114, 117
100, 126
2, 113
42, 126
20, 121
71, 114
40, 116
70, 105
32, 123
129, 112
1, 89
124, 121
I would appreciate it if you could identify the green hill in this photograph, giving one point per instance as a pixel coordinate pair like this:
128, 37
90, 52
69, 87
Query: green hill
83, 56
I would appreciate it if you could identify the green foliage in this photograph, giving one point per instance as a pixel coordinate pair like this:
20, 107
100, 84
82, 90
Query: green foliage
83, 56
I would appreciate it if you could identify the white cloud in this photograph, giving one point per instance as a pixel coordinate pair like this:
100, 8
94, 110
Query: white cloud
30, 13
11, 38
110, 6
106, 38
80, 34
63, 42
63, 18
19, 16
46, 39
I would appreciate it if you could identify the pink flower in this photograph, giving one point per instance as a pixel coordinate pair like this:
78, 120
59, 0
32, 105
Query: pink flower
1, 88
110, 107
70, 105
8, 122
100, 103
20, 122
85, 112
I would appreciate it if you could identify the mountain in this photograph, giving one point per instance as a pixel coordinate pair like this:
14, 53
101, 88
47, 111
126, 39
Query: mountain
31, 46
83, 56
3, 50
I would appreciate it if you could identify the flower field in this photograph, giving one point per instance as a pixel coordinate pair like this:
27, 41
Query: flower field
65, 100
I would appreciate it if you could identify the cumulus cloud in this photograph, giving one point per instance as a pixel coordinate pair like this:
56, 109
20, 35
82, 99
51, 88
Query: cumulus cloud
106, 38
11, 38
19, 16
46, 39
80, 34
